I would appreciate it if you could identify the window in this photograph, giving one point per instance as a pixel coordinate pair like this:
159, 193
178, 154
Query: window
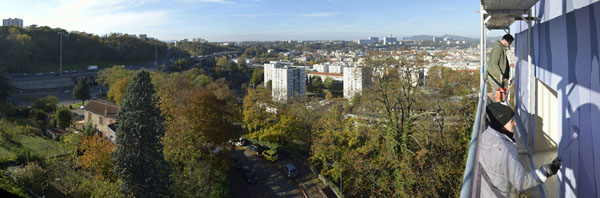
547, 132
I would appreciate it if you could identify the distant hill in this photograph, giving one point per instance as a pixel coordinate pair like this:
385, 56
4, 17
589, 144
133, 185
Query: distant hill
430, 37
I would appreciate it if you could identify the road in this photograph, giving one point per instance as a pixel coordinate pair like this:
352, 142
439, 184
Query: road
271, 180
25, 99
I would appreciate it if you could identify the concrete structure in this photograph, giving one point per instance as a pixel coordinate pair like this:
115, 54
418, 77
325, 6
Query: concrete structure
557, 87
322, 68
389, 40
14, 22
287, 82
102, 114
143, 36
323, 76
371, 40
355, 80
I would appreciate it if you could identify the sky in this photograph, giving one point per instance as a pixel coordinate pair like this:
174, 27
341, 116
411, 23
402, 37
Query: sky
252, 20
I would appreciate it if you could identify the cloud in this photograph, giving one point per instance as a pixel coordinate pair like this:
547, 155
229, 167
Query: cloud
100, 16
320, 14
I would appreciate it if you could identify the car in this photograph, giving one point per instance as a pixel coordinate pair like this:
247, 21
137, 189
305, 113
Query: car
270, 155
290, 170
253, 148
250, 176
82, 107
67, 91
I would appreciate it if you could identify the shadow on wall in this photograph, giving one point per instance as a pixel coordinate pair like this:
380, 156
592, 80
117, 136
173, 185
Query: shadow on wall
566, 55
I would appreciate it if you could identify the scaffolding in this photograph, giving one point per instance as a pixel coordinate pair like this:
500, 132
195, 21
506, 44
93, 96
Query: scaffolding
500, 15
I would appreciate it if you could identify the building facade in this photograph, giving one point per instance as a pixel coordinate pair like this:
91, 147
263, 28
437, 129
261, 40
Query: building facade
355, 80
102, 115
390, 40
14, 22
287, 82
557, 87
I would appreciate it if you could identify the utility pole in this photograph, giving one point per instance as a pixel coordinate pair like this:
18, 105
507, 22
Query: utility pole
61, 65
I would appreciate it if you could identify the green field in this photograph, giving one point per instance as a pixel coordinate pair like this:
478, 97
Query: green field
42, 146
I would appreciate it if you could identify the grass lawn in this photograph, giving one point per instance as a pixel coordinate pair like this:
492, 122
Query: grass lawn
78, 104
44, 147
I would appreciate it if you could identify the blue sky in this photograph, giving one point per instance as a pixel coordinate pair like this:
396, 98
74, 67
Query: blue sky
239, 20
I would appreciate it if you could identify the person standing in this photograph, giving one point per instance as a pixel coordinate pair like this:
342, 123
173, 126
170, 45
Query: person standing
498, 66
499, 166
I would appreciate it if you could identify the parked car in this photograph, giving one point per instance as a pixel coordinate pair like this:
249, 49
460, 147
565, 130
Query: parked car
290, 170
270, 155
253, 148
250, 176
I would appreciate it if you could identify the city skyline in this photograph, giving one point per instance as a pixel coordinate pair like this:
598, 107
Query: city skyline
252, 20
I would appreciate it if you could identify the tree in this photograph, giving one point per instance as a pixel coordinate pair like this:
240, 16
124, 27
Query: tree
81, 91
4, 86
181, 64
269, 85
32, 176
138, 158
96, 156
117, 90
64, 117
223, 62
257, 77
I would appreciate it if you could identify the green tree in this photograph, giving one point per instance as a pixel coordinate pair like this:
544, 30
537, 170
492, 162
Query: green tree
181, 64
64, 117
257, 77
138, 158
81, 91
223, 62
32, 176
4, 86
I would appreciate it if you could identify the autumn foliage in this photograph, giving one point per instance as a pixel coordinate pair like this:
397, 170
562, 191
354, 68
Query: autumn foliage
96, 156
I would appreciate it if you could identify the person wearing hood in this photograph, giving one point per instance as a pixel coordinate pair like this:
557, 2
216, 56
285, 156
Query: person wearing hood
501, 172
498, 68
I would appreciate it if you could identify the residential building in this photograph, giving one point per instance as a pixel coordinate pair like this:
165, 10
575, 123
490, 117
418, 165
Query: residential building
102, 114
355, 80
322, 68
558, 92
143, 36
287, 82
390, 40
14, 22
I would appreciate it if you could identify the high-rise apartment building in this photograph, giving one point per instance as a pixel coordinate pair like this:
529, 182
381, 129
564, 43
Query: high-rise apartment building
10, 21
287, 82
355, 80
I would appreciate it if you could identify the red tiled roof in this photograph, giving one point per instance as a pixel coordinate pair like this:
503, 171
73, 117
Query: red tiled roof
103, 109
326, 74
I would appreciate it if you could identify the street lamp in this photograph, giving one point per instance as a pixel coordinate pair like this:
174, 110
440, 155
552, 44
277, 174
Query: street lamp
60, 71
337, 165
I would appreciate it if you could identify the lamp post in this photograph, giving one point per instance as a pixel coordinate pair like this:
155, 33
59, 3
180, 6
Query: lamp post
337, 165
61, 65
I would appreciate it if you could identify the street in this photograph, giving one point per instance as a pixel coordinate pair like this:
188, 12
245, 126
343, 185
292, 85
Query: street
271, 181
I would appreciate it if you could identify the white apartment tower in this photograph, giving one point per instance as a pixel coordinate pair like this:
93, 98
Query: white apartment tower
355, 80
287, 82
10, 21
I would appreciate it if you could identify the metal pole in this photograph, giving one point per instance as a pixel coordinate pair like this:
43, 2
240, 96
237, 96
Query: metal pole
530, 84
60, 71
470, 173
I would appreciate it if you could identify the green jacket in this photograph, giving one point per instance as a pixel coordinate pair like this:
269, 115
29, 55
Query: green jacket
498, 64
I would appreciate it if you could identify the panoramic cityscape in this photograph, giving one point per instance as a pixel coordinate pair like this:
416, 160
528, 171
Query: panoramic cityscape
315, 98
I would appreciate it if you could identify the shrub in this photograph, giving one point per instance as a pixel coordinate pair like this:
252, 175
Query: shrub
32, 176
25, 156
